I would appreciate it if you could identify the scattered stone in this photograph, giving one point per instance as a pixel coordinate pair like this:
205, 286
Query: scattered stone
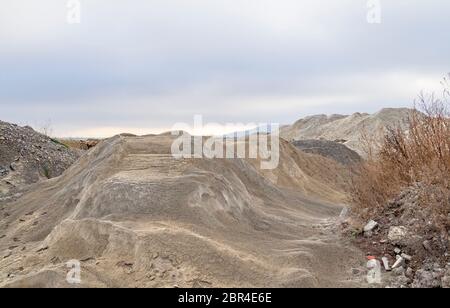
13, 166
429, 277
445, 281
409, 272
371, 225
397, 234
397, 251
427, 246
356, 271
3, 171
398, 271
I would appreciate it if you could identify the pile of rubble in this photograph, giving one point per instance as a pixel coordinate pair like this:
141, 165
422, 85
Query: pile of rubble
408, 242
26, 157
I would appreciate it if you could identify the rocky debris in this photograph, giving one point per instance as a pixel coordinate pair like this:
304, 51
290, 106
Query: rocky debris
26, 157
430, 276
3, 171
369, 227
398, 271
397, 234
330, 149
445, 280
412, 236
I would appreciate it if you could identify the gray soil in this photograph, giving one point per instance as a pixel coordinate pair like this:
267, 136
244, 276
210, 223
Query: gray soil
330, 149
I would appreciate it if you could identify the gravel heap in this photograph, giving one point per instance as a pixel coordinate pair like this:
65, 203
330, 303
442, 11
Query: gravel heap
412, 235
330, 149
27, 157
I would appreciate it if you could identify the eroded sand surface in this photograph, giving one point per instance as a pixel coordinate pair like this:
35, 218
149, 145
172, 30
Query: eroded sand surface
136, 217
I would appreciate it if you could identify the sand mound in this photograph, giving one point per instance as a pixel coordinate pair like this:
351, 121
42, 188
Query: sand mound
136, 217
347, 129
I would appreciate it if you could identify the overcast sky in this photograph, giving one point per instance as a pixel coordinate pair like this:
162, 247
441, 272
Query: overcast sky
141, 65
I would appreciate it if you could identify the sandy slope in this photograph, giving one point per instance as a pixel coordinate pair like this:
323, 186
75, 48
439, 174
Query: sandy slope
136, 217
347, 128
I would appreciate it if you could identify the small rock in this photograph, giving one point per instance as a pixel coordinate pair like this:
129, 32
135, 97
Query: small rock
371, 225
397, 234
406, 257
3, 171
397, 251
445, 281
399, 271
428, 278
356, 271
409, 272
13, 167
427, 246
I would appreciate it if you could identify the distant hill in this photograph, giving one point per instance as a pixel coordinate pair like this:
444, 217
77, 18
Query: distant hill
329, 149
347, 129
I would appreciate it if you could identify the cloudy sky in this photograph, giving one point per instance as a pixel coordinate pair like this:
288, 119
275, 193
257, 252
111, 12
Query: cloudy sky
142, 65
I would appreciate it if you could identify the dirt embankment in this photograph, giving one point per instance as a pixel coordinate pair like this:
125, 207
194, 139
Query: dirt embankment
136, 217
27, 157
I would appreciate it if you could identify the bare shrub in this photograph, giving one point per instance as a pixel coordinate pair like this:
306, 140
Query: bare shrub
421, 154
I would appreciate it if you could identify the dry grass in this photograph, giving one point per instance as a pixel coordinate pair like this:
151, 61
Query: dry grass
405, 158
79, 144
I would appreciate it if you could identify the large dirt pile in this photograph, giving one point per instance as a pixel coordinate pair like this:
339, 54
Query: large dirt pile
136, 217
27, 157
349, 130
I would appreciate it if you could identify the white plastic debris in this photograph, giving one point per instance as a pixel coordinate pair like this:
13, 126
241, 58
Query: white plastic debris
374, 273
397, 263
406, 257
386, 264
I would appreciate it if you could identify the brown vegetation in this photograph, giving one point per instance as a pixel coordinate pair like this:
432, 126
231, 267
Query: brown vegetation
419, 156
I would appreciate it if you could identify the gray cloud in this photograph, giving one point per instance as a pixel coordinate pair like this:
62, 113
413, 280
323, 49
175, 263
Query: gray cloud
148, 64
